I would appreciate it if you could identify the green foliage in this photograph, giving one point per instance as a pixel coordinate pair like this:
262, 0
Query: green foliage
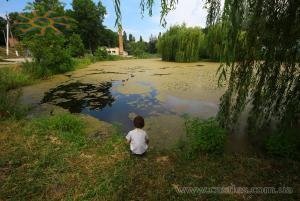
50, 55
12, 79
204, 136
166, 7
137, 49
83, 62
211, 47
101, 54
270, 88
36, 70
10, 106
152, 49
75, 46
9, 100
89, 17
108, 38
45, 5
181, 44
68, 127
286, 145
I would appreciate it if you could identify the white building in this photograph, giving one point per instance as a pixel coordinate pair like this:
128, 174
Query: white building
115, 51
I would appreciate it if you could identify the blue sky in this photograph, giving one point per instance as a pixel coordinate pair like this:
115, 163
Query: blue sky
191, 12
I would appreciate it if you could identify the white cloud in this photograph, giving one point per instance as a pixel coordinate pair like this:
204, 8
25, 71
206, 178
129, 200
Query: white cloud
190, 12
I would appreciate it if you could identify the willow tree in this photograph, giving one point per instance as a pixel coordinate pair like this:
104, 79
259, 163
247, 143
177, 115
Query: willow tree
261, 51
181, 44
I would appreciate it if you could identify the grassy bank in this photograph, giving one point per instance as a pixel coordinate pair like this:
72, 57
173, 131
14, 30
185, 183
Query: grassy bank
11, 78
54, 158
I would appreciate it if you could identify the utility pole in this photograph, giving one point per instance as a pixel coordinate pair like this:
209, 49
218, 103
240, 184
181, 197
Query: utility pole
7, 35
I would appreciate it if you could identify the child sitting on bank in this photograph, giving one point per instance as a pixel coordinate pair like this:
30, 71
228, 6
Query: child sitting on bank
138, 138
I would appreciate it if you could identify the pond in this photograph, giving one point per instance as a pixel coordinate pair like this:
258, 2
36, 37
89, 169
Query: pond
117, 91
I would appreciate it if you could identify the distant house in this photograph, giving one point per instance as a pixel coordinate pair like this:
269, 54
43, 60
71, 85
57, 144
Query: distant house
115, 51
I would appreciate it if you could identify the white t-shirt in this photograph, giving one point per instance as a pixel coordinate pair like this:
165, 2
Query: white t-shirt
137, 138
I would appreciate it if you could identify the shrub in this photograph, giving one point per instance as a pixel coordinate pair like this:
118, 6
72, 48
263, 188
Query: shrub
9, 100
75, 45
284, 144
49, 53
138, 49
204, 136
10, 106
101, 54
36, 70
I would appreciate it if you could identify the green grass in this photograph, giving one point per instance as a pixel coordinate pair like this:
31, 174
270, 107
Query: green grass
39, 160
43, 162
66, 126
82, 62
11, 78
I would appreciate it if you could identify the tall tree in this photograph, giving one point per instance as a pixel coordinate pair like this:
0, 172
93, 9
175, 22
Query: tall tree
46, 5
131, 38
261, 50
90, 18
159, 35
152, 44
109, 38
125, 36
125, 40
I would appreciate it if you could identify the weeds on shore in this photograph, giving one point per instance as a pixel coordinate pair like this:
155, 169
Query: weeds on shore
10, 80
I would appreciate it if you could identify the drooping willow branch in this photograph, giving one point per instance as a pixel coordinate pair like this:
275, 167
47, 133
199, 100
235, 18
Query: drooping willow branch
166, 7
262, 52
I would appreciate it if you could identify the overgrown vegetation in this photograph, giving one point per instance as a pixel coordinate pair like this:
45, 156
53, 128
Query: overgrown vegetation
285, 145
181, 44
13, 77
203, 136
255, 31
50, 56
187, 44
75, 46
10, 79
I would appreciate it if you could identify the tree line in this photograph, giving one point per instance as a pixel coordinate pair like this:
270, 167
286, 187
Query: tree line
86, 27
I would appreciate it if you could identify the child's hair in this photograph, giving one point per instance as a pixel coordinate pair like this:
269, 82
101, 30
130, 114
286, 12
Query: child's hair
139, 122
